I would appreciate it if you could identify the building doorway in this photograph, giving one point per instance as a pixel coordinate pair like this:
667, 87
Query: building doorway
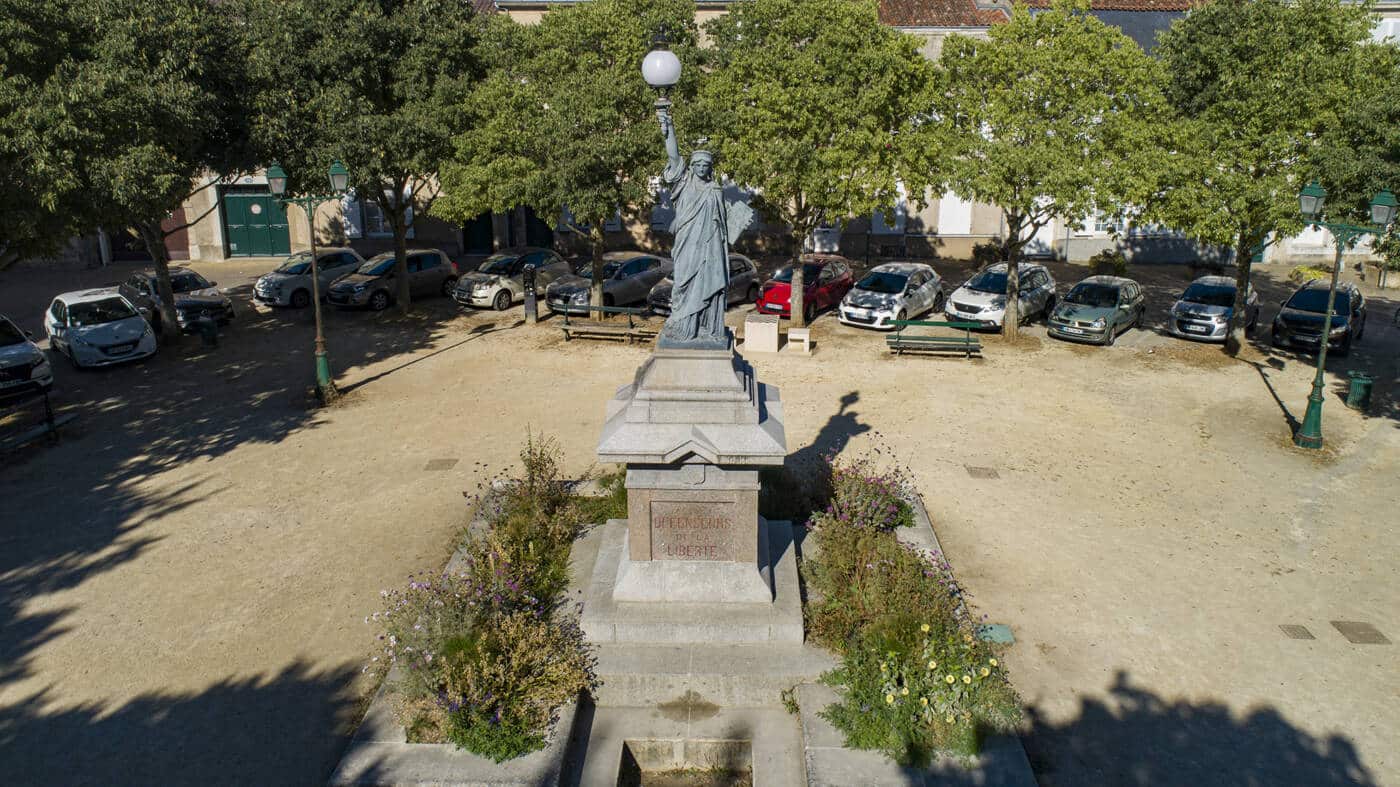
255, 225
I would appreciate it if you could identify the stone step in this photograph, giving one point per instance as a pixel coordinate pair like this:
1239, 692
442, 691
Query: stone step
726, 676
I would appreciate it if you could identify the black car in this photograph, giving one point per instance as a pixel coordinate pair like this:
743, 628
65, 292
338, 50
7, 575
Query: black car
196, 298
1299, 322
743, 286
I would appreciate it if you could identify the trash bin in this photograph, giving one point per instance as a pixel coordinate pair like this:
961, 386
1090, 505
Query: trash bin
209, 332
1359, 392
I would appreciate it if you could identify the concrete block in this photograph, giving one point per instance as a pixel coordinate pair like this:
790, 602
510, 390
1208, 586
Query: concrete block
728, 676
760, 333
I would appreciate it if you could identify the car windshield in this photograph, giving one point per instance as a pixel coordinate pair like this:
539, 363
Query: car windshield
883, 282
188, 281
988, 281
498, 263
296, 264
1099, 296
1210, 295
82, 315
10, 335
377, 266
1314, 299
810, 272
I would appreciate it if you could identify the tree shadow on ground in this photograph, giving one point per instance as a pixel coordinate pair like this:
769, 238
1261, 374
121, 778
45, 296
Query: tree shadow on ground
221, 734
78, 507
1136, 737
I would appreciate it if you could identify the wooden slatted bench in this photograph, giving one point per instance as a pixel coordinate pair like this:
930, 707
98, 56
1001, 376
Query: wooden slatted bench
604, 329
902, 341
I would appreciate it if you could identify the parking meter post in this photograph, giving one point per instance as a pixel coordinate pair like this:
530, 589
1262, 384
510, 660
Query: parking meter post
531, 304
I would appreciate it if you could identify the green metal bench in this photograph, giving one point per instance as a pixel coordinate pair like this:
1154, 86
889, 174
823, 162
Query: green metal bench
901, 341
599, 329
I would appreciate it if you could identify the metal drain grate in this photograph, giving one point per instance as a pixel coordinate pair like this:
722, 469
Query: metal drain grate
1360, 633
1294, 631
981, 472
434, 465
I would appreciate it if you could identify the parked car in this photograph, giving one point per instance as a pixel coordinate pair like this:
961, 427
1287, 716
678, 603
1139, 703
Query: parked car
826, 278
24, 369
1299, 322
98, 328
499, 281
1097, 310
893, 291
743, 285
373, 284
290, 283
196, 298
628, 277
1203, 311
982, 298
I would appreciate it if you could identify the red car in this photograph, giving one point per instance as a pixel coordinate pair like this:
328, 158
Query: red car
827, 279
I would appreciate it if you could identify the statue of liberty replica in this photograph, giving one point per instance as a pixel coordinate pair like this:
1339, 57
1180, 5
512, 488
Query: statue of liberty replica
706, 222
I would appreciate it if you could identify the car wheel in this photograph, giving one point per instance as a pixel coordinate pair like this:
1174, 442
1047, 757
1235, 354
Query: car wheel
901, 316
502, 301
1049, 309
753, 294
448, 285
1274, 340
73, 359
379, 301
809, 313
938, 303
301, 299
1110, 336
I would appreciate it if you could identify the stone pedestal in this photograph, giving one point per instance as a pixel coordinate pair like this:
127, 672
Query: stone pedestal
693, 428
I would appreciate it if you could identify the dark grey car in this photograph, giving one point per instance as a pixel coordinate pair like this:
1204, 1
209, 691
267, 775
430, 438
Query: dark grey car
627, 278
743, 285
196, 298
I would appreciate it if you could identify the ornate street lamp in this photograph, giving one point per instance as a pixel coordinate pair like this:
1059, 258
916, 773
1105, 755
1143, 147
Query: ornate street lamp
662, 70
1310, 203
339, 178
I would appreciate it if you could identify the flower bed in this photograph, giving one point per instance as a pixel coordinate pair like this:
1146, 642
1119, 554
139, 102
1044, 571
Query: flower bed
486, 652
915, 680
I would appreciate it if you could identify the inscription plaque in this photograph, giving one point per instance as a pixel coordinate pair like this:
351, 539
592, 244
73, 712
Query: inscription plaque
693, 531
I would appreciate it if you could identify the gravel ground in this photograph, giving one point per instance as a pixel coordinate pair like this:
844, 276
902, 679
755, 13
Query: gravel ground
184, 575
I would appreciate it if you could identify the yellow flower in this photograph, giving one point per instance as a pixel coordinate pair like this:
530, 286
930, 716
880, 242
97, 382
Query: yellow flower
967, 679
992, 662
889, 699
933, 665
986, 672
883, 667
923, 701
950, 719
904, 692
924, 628
950, 678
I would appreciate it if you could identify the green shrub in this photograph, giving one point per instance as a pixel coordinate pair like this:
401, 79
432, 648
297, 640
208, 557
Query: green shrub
902, 628
1305, 273
485, 653
612, 504
1109, 261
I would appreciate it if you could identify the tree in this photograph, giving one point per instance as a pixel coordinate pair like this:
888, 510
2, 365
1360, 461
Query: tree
1264, 86
563, 122
137, 100
1056, 114
809, 103
381, 85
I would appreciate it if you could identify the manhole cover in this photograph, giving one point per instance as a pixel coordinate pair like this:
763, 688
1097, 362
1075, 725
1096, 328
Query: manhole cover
1295, 631
1360, 633
981, 472
440, 464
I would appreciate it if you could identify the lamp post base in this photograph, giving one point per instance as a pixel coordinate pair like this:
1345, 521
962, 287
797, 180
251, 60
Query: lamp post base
325, 385
1309, 434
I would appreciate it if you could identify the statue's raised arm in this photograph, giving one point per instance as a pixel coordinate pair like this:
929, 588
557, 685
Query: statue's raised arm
675, 165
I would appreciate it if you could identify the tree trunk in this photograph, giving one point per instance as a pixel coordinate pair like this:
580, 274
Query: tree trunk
154, 240
797, 299
596, 248
404, 286
1244, 258
1011, 323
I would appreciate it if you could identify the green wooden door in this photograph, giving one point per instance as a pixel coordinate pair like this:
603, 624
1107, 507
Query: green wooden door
255, 225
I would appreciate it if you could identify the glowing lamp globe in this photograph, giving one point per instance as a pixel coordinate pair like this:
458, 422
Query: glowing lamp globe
661, 68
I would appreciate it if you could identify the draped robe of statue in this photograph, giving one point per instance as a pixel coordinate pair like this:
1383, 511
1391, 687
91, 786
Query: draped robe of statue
706, 221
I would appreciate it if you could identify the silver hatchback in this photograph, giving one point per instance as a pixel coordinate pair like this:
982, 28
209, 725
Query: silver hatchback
498, 283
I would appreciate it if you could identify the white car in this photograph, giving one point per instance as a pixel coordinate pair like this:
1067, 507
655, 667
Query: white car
893, 291
98, 328
499, 282
290, 283
24, 369
983, 298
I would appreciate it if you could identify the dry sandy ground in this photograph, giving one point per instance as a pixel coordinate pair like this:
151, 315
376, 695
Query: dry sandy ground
183, 578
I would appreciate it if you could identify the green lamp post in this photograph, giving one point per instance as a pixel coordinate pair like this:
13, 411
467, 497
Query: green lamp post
1310, 203
339, 181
